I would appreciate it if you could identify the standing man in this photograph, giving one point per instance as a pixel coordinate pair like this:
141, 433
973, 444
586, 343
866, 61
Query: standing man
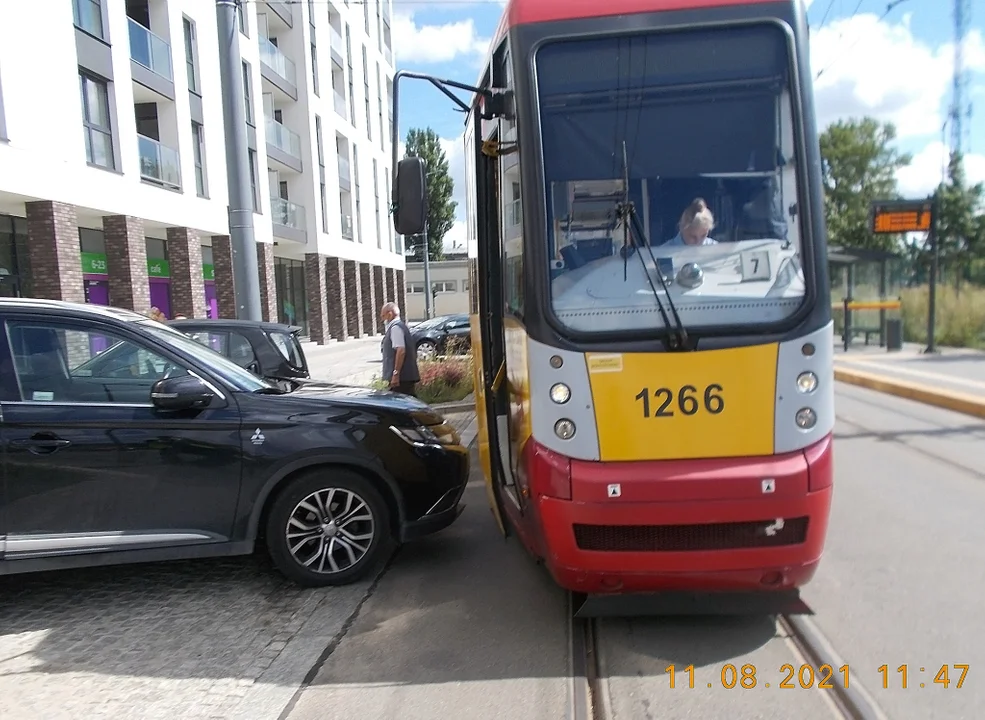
399, 360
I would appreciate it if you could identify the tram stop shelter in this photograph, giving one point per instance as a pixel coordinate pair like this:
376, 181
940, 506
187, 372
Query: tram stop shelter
865, 287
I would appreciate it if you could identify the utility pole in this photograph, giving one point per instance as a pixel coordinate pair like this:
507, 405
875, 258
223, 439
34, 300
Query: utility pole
934, 269
428, 303
246, 273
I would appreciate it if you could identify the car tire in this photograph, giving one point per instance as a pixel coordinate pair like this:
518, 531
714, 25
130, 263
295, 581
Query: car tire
426, 350
308, 560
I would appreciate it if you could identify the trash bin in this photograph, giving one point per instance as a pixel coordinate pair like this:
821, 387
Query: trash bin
894, 334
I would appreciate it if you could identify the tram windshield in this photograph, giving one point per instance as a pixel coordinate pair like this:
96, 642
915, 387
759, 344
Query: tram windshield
704, 121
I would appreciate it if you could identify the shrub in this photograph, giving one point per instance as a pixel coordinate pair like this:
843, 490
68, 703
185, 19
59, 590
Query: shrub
448, 379
960, 316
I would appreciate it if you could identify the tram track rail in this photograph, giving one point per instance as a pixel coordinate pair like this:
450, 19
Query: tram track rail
588, 700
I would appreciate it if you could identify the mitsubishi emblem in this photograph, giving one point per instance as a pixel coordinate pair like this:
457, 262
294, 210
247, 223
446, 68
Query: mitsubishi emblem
768, 485
615, 490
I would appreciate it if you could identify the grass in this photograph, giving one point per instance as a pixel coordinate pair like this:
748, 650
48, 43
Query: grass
960, 315
444, 379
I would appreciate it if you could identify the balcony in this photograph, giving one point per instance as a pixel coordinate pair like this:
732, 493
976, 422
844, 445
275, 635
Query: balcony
283, 145
288, 220
337, 44
277, 68
150, 51
345, 181
159, 164
340, 106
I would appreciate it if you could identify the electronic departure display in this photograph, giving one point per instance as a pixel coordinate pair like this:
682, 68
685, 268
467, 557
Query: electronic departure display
901, 217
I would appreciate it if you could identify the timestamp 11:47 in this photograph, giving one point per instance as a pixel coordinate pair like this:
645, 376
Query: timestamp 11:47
941, 678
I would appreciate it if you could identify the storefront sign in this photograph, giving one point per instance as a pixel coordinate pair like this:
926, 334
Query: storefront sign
158, 268
94, 263
208, 272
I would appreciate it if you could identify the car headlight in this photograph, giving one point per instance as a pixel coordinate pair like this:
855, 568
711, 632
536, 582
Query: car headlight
443, 434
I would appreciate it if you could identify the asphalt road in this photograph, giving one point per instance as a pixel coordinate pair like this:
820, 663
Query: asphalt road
464, 625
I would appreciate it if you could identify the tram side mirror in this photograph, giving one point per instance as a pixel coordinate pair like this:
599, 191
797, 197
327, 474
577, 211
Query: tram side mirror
410, 197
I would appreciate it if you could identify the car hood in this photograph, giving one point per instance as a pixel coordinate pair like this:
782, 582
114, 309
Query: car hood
352, 395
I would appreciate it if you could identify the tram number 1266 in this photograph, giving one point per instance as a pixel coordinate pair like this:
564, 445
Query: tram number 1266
687, 397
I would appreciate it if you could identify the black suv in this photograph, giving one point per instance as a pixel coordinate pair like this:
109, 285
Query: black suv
124, 440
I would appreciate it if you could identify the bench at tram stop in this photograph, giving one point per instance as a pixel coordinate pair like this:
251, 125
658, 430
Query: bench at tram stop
889, 330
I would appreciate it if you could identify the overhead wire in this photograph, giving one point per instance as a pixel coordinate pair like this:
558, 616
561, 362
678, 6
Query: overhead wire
889, 8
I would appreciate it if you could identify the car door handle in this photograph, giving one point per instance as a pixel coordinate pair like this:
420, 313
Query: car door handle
40, 444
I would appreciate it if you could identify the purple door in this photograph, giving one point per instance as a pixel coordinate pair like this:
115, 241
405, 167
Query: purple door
211, 300
97, 292
160, 296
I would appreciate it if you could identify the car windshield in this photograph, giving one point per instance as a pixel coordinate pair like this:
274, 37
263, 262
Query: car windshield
700, 124
239, 378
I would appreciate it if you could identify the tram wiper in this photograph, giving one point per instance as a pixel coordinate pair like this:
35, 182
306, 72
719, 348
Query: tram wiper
626, 211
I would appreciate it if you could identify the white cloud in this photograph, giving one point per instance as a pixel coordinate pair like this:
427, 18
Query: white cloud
880, 69
925, 172
430, 44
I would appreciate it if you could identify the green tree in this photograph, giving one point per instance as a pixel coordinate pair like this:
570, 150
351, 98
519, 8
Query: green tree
426, 145
960, 222
858, 166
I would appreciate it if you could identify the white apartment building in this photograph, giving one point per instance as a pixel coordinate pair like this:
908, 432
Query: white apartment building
112, 157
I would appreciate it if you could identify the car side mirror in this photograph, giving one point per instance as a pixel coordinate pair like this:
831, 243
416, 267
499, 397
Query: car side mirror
181, 393
410, 197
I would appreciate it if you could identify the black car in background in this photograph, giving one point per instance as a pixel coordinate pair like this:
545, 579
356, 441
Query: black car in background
270, 350
442, 335
124, 440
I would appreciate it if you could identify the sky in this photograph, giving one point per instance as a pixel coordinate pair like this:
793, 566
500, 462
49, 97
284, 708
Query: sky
895, 66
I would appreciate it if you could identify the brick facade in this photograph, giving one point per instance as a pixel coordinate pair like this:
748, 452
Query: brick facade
314, 283
225, 286
335, 297
54, 253
268, 286
401, 291
187, 283
126, 260
379, 287
353, 297
370, 310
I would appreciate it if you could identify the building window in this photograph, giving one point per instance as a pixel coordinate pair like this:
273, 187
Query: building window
254, 171
366, 15
96, 122
190, 54
355, 180
386, 199
324, 209
376, 194
198, 151
314, 69
248, 92
369, 114
241, 15
89, 17
319, 141
352, 95
379, 105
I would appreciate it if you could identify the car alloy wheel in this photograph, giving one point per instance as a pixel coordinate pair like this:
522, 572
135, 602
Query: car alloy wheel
327, 527
426, 350
330, 530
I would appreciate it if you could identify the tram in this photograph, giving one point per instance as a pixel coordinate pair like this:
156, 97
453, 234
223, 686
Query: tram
651, 315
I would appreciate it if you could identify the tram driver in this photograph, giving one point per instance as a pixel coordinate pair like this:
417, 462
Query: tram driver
695, 224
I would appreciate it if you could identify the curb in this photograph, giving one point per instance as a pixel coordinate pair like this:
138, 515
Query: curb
454, 407
956, 402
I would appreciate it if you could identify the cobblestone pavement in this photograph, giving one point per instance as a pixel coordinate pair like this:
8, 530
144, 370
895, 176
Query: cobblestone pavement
227, 638
224, 638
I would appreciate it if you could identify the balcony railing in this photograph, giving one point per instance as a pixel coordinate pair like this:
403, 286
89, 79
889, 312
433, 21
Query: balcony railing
340, 106
337, 43
283, 139
344, 169
283, 212
159, 163
347, 227
151, 51
277, 61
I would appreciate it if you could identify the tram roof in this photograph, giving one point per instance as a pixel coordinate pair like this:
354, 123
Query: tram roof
523, 12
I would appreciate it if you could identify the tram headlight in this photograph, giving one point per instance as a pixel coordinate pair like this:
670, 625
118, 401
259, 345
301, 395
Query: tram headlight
805, 418
807, 382
564, 429
560, 393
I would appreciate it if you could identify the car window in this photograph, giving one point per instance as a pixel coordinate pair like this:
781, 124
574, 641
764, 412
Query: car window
239, 378
214, 340
457, 324
54, 363
288, 347
240, 350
